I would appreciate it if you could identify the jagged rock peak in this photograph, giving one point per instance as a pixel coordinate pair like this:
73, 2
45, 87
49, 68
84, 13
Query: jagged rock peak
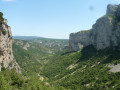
104, 33
111, 9
6, 54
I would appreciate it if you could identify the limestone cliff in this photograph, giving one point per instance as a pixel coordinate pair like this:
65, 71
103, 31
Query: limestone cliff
6, 55
104, 33
79, 40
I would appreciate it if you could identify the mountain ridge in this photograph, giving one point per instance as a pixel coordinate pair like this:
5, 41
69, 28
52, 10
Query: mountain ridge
34, 37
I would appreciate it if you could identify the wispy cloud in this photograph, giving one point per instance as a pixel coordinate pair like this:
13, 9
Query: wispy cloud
8, 0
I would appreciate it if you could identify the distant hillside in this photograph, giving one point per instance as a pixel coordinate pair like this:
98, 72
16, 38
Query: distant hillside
33, 37
54, 44
24, 37
31, 55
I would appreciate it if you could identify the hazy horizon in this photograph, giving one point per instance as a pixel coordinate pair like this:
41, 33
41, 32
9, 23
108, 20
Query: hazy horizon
37, 37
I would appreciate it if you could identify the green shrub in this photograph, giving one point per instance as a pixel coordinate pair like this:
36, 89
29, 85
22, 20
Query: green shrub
1, 16
8, 33
4, 32
112, 16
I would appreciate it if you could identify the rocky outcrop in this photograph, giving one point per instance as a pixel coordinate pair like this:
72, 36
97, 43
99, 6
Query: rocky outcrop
6, 55
111, 9
104, 33
79, 40
24, 44
101, 34
27, 45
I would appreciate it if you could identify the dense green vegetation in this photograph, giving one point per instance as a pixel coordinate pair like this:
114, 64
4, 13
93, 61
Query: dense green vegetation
112, 16
32, 60
10, 80
90, 69
84, 70
4, 32
85, 31
1, 16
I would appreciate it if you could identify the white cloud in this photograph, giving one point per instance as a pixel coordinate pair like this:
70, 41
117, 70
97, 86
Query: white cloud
8, 0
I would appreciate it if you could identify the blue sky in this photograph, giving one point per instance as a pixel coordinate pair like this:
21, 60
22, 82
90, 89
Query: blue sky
52, 18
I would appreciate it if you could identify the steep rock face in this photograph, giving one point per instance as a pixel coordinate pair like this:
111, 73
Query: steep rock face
104, 33
6, 55
79, 40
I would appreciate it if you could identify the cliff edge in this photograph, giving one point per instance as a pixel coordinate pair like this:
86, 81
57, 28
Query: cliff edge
6, 55
104, 33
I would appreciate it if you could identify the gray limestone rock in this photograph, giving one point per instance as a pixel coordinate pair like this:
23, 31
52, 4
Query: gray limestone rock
111, 9
104, 33
79, 40
101, 32
6, 53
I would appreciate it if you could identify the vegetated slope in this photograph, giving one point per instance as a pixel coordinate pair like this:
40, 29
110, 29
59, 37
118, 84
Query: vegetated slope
10, 80
54, 44
87, 69
31, 55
